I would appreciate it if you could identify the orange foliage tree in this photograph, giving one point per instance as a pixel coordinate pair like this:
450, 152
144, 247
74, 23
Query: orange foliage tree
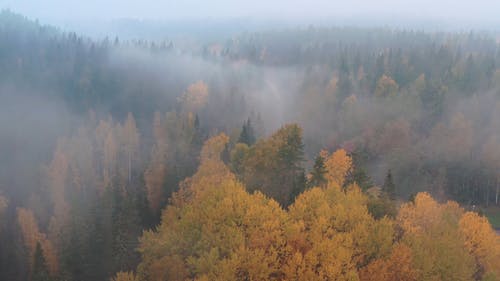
215, 230
32, 236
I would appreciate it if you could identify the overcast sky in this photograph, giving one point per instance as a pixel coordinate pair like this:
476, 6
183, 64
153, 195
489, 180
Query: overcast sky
443, 10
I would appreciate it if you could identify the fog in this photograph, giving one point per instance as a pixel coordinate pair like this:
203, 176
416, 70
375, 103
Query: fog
483, 12
95, 94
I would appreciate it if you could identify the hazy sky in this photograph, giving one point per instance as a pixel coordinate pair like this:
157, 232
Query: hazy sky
442, 10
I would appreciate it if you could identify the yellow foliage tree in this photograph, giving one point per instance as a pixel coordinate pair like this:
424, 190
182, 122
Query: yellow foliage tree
338, 166
335, 225
195, 97
124, 276
482, 243
395, 268
431, 232
214, 229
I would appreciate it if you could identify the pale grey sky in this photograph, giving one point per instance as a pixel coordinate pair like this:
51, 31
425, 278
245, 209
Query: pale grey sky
444, 10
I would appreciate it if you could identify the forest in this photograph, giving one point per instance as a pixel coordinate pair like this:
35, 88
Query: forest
302, 153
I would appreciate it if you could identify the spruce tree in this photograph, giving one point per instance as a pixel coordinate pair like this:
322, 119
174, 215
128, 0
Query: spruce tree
247, 135
389, 187
40, 269
318, 173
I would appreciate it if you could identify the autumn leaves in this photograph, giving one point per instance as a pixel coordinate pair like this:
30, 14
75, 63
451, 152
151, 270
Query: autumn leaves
215, 230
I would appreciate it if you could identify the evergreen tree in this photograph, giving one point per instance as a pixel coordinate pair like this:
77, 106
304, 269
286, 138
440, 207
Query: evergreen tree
247, 135
359, 174
318, 173
274, 165
40, 269
125, 230
344, 83
299, 186
389, 187
198, 134
362, 178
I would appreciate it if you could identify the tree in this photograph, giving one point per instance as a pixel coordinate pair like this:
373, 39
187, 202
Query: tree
380, 205
33, 237
359, 174
195, 97
338, 166
58, 179
154, 178
274, 165
214, 229
237, 158
247, 135
490, 156
333, 234
40, 270
386, 87
431, 232
483, 244
130, 143
107, 148
317, 175
155, 174
124, 276
126, 229
397, 267
389, 187
4, 203
344, 85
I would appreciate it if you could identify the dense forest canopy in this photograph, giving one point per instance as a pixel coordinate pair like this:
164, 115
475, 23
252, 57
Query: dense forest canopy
272, 155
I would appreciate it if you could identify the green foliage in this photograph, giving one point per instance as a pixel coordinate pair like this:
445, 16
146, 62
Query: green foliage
493, 215
389, 187
381, 206
238, 155
247, 135
274, 165
318, 173
359, 174
385, 97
